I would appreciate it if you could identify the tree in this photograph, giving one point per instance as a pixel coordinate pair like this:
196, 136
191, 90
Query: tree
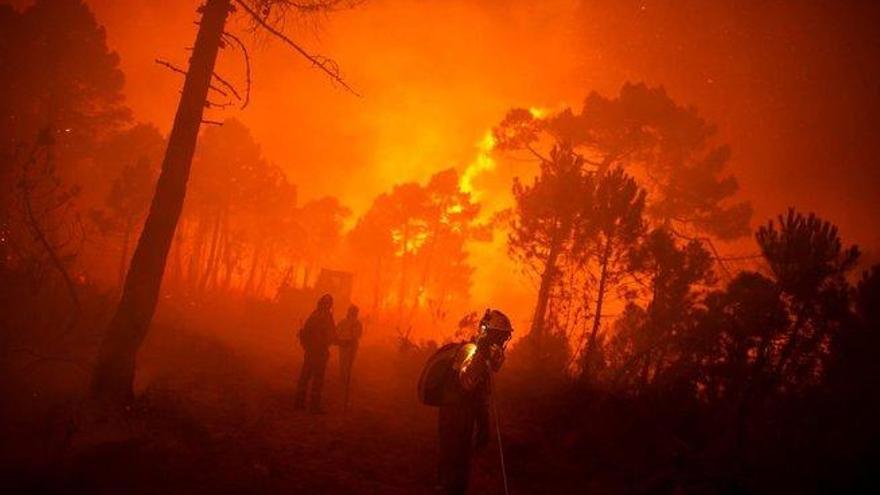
320, 222
74, 93
130, 159
545, 216
414, 238
646, 133
114, 371
656, 338
52, 114
809, 263
612, 227
740, 327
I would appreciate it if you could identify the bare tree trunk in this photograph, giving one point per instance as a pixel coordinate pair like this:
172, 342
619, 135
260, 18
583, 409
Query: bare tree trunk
212, 255
600, 299
249, 283
195, 257
114, 372
42, 239
264, 272
547, 278
401, 294
123, 259
177, 259
376, 284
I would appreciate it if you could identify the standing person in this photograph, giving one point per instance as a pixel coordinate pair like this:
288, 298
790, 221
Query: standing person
457, 378
348, 335
315, 337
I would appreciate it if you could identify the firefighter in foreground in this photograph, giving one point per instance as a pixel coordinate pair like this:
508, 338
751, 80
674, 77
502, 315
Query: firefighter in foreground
316, 335
458, 379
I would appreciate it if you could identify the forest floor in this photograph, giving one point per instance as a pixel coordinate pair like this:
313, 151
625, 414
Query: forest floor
215, 415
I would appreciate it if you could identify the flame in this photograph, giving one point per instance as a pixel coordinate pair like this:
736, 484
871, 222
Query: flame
482, 163
538, 113
412, 244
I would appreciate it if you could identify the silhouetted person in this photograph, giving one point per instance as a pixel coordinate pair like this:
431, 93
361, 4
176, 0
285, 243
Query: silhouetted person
315, 337
463, 395
348, 335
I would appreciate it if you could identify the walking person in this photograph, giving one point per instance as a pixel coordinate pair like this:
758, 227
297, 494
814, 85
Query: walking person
315, 336
348, 335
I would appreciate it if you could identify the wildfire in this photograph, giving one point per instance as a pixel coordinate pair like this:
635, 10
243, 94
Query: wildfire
482, 163
538, 113
410, 244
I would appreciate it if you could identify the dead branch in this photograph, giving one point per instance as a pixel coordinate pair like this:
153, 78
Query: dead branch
178, 70
222, 105
227, 85
37, 231
317, 5
212, 122
321, 63
706, 240
247, 67
170, 66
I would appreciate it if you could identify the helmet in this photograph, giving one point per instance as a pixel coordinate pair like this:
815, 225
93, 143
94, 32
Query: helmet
325, 302
495, 328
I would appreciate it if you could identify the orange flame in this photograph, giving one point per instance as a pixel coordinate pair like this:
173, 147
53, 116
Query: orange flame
482, 163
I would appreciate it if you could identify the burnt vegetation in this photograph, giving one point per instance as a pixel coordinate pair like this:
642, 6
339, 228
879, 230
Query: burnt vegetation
652, 362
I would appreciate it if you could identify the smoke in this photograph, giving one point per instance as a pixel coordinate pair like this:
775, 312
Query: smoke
790, 86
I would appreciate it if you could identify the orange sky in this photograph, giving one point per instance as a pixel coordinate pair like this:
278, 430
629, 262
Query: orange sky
791, 85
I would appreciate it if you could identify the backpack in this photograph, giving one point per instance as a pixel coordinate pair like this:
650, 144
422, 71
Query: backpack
434, 382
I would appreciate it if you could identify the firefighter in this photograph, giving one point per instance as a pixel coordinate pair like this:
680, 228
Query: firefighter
348, 335
315, 336
463, 420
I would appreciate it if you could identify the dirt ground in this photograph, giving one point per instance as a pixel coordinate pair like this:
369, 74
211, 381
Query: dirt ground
215, 415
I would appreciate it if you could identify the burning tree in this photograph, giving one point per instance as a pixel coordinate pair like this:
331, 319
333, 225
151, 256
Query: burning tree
114, 371
413, 238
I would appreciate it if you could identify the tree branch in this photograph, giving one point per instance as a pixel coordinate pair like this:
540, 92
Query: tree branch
325, 65
247, 66
178, 70
229, 86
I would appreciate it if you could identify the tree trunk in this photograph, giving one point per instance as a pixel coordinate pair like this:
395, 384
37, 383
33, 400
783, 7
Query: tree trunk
376, 285
177, 259
123, 259
212, 255
547, 278
600, 298
401, 295
114, 372
249, 283
196, 249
